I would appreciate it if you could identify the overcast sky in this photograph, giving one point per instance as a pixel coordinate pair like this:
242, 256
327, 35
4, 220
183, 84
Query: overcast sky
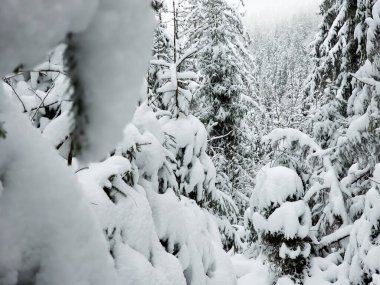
268, 12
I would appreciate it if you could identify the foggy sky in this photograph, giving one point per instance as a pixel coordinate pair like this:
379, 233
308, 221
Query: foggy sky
264, 13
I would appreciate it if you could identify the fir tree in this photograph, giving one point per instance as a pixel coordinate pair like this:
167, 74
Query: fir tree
225, 89
282, 221
186, 136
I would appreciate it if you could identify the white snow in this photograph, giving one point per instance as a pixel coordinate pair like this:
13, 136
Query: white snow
293, 219
129, 226
275, 185
327, 270
113, 57
111, 53
57, 130
149, 231
250, 271
48, 231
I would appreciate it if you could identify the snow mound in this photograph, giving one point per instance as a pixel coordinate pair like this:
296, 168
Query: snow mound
327, 270
250, 271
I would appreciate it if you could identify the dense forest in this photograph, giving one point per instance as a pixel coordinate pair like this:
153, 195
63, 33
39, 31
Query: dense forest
165, 142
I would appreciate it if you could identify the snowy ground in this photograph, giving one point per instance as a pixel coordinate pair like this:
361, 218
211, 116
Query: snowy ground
249, 271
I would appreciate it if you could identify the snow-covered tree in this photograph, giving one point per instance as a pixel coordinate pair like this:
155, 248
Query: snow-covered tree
225, 89
343, 81
162, 50
50, 235
135, 196
364, 245
186, 136
325, 192
338, 159
282, 220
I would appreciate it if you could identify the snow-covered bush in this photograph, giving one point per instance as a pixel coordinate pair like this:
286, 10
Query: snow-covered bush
325, 192
135, 195
125, 215
282, 220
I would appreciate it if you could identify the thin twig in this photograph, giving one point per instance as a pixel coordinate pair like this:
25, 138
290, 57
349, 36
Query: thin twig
47, 94
220, 137
14, 91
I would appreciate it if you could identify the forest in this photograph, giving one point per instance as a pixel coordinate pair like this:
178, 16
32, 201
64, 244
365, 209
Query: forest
171, 142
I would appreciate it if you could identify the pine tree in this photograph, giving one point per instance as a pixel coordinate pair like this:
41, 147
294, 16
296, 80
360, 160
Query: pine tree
344, 79
162, 50
186, 136
363, 249
225, 90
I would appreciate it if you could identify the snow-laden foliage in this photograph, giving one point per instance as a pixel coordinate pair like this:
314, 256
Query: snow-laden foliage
267, 194
297, 150
119, 37
44, 93
155, 234
171, 91
49, 234
364, 243
145, 218
282, 221
337, 161
103, 48
158, 203
225, 90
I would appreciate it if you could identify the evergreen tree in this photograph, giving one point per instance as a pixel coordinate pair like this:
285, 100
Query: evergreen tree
363, 249
344, 80
162, 50
282, 221
186, 136
225, 90
337, 163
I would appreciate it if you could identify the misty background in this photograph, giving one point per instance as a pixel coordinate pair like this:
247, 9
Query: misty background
268, 13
